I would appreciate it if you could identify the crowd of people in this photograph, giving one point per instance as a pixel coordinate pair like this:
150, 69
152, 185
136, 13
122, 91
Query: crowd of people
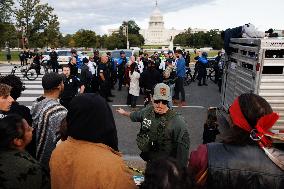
64, 142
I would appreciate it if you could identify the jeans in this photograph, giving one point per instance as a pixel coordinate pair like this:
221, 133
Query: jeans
133, 101
179, 88
172, 86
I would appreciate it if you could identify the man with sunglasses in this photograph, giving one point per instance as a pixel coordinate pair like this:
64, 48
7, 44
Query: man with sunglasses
163, 131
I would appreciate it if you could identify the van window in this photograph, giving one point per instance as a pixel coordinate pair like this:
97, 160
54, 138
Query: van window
272, 70
64, 53
274, 53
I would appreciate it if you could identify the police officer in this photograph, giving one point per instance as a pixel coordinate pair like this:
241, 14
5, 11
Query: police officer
36, 61
202, 65
163, 131
112, 70
86, 76
121, 62
53, 56
104, 78
71, 86
73, 64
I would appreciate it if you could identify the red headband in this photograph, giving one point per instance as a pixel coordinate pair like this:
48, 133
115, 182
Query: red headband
262, 125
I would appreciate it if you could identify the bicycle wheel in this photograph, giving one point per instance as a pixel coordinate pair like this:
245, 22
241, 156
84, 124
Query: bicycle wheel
31, 74
187, 81
211, 74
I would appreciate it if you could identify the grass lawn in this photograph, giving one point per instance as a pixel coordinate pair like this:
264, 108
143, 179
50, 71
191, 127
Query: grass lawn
15, 56
211, 53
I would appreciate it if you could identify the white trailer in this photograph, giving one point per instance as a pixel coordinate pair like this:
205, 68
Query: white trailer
256, 65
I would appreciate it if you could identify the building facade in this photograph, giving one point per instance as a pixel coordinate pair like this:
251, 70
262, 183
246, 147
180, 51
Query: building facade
157, 34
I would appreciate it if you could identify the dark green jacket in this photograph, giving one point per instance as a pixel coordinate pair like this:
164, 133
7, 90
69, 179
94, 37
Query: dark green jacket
20, 170
162, 135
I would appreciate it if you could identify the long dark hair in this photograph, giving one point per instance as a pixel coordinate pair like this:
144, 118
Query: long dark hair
133, 67
253, 108
166, 173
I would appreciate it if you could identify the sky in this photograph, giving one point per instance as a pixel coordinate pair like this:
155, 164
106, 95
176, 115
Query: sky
101, 15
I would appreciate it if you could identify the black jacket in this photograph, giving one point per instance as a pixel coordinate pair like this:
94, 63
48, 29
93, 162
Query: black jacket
241, 167
149, 78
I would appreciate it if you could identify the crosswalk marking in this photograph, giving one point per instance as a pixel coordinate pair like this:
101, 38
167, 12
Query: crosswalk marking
39, 92
33, 89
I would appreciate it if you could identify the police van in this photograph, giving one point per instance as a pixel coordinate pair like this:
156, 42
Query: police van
255, 65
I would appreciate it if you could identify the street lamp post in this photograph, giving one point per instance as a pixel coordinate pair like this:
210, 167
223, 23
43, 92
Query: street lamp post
125, 32
127, 36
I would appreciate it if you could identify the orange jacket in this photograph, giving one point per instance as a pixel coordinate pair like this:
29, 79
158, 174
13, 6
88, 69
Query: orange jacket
77, 164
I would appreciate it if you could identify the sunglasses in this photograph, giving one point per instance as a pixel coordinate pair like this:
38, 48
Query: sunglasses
165, 102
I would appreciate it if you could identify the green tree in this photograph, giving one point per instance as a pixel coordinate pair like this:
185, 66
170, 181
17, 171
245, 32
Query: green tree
101, 41
6, 10
36, 18
85, 38
65, 41
214, 39
115, 41
211, 38
8, 36
135, 39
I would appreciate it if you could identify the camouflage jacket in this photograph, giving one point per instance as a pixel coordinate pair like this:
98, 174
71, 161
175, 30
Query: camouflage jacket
162, 135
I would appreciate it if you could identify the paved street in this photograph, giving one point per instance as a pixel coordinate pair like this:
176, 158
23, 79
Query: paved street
198, 100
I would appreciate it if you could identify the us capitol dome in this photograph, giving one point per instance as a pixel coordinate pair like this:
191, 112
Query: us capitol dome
157, 34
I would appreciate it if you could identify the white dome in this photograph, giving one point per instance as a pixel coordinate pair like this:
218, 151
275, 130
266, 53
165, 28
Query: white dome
156, 12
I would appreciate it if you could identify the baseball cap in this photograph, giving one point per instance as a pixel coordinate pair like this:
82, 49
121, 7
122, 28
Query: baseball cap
161, 92
51, 80
122, 52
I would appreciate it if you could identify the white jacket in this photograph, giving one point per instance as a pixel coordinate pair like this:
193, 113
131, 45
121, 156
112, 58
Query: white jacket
134, 88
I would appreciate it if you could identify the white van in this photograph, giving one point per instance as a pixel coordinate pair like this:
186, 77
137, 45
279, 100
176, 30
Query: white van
256, 65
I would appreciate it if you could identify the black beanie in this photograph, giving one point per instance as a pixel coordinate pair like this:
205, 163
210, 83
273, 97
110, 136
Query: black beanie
90, 118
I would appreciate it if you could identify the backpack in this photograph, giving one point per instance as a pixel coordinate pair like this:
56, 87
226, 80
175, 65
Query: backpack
167, 72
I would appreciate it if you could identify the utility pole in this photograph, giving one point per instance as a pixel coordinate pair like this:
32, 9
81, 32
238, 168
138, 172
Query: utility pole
125, 33
127, 36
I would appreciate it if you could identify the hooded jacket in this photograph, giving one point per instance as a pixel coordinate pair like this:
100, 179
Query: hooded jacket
47, 116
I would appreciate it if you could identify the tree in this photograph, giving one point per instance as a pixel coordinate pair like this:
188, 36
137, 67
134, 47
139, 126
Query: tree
36, 18
85, 38
101, 41
8, 36
215, 40
115, 41
133, 28
181, 39
6, 10
135, 39
211, 38
7, 30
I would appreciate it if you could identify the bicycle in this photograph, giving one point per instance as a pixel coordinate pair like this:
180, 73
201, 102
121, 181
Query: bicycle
188, 79
211, 70
28, 72
46, 66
